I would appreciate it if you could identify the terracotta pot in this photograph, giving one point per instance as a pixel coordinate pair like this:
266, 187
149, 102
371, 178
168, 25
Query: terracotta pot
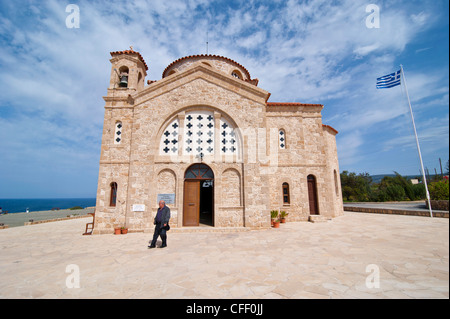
117, 231
125, 231
276, 224
283, 220
271, 222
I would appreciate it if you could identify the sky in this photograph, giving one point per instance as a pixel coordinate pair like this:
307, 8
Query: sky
54, 76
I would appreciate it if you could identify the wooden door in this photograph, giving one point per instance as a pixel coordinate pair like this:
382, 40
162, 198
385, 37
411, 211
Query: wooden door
312, 195
191, 206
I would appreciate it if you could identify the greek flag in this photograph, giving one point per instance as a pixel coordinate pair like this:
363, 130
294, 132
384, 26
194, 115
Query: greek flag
389, 81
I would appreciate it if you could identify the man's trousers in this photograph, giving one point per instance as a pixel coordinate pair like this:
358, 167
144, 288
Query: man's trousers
159, 232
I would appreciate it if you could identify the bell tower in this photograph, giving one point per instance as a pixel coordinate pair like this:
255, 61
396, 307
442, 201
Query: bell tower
128, 72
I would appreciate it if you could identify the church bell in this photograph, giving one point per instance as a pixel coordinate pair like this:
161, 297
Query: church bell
123, 80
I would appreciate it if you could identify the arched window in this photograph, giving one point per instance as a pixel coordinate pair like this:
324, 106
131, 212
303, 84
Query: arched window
237, 74
118, 133
139, 79
113, 197
199, 171
282, 139
312, 195
336, 187
286, 195
199, 134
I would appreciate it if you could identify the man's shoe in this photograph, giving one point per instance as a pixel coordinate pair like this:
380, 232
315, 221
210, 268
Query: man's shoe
151, 246
162, 246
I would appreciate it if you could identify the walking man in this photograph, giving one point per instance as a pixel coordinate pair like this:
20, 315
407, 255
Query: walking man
161, 225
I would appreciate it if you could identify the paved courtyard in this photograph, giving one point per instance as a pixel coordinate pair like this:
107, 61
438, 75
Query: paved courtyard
353, 256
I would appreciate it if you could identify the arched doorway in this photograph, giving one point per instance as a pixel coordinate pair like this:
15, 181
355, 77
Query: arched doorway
198, 203
312, 196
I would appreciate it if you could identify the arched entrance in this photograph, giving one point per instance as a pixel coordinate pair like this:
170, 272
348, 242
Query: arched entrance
312, 195
198, 202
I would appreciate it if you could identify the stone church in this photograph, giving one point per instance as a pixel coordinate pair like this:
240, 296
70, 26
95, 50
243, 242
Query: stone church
205, 139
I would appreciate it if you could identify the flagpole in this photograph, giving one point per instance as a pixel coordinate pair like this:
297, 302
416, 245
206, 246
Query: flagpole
417, 142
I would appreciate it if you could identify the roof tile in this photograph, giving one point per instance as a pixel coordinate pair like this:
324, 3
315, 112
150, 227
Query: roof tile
292, 104
205, 56
131, 52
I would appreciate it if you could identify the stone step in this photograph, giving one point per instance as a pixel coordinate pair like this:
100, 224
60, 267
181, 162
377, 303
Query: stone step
318, 218
208, 229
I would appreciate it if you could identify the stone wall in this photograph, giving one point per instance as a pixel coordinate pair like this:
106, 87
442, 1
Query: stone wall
438, 204
231, 188
423, 213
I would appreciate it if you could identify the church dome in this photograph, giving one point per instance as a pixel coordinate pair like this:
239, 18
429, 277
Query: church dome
221, 63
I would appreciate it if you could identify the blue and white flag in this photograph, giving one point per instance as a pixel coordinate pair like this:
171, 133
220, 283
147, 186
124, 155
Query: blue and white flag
389, 81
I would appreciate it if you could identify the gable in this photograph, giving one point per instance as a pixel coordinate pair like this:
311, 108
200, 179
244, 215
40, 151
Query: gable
200, 71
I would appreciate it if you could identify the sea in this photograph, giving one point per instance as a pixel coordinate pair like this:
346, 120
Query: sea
40, 204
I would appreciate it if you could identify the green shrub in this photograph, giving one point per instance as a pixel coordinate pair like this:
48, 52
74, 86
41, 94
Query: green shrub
419, 191
379, 195
75, 208
395, 192
438, 190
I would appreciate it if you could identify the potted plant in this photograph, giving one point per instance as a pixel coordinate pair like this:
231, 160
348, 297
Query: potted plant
124, 230
276, 223
117, 231
273, 216
283, 216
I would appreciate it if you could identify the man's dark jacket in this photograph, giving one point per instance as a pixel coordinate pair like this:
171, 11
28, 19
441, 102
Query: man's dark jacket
165, 216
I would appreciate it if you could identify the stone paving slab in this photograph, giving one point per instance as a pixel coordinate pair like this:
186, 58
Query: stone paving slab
340, 258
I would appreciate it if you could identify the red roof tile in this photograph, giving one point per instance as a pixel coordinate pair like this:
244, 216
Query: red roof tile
292, 104
327, 126
131, 52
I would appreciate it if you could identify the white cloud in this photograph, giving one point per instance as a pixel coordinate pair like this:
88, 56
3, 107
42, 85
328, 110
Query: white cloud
349, 148
420, 19
308, 51
365, 50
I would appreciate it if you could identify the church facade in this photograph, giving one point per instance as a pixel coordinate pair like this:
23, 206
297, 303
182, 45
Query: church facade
205, 139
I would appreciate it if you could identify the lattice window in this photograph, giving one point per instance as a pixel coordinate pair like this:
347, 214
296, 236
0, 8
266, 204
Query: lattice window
199, 136
118, 133
169, 139
282, 139
228, 140
199, 133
